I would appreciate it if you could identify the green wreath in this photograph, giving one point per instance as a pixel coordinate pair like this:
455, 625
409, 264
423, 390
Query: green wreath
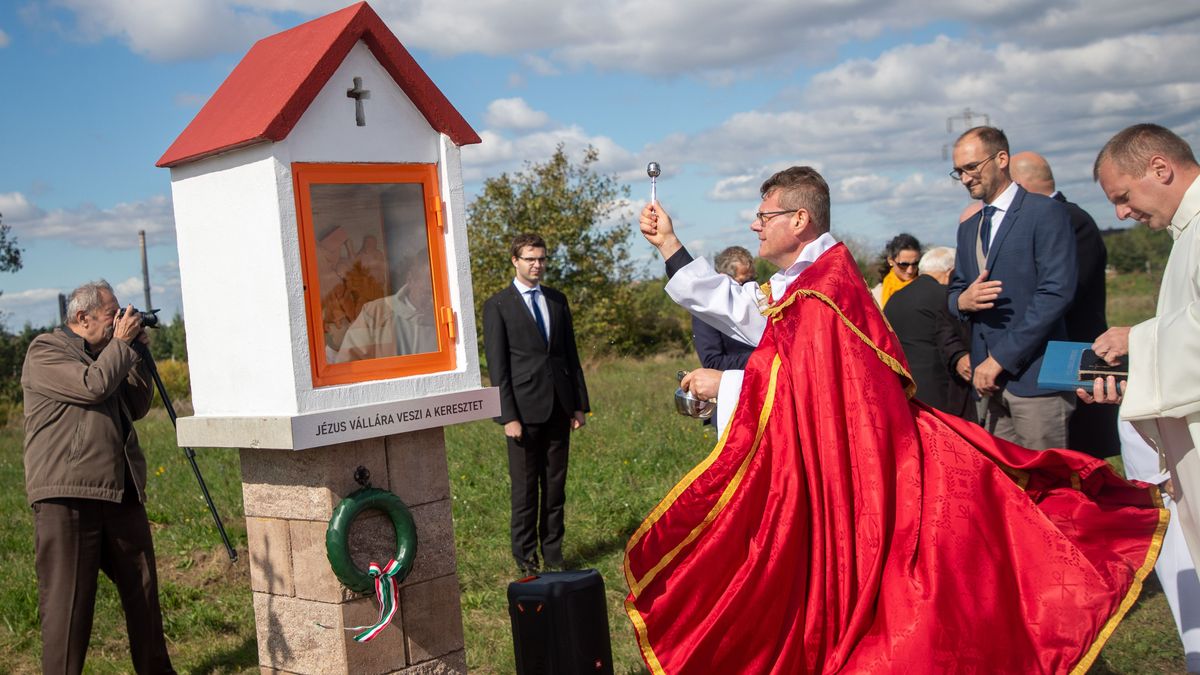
337, 536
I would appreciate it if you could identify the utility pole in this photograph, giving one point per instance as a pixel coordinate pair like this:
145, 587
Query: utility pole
62, 309
145, 271
968, 116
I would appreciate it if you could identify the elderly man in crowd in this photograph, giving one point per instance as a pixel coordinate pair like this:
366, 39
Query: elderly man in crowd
85, 478
933, 341
1150, 174
715, 349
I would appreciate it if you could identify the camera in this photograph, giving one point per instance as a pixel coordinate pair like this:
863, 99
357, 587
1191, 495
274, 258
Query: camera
149, 317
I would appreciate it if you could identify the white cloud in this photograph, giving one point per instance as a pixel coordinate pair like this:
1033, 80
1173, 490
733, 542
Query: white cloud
4, 40
740, 188
15, 206
540, 65
39, 306
861, 188
716, 40
168, 31
165, 293
36, 306
90, 226
514, 113
128, 289
876, 127
499, 153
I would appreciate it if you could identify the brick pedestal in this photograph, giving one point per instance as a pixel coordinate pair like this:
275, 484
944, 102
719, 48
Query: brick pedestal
289, 498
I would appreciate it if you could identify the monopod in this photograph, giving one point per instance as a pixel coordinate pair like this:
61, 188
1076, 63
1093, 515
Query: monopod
144, 351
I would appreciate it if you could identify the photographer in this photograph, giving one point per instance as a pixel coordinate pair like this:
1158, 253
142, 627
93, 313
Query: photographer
85, 477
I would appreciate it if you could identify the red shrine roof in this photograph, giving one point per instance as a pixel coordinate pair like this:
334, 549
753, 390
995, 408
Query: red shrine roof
265, 95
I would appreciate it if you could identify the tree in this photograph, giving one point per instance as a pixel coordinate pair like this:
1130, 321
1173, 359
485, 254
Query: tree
10, 253
169, 340
1138, 249
581, 215
867, 260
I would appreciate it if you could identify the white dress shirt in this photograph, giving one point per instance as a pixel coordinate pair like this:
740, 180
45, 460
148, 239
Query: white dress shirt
527, 295
1002, 204
735, 309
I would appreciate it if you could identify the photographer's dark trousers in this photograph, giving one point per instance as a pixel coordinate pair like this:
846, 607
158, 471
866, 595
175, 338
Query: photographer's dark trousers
538, 462
76, 539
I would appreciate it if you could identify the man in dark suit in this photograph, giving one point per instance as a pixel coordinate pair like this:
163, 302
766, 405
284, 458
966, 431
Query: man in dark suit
933, 341
1093, 428
715, 349
1013, 283
530, 345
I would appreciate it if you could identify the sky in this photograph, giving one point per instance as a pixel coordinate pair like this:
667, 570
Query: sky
722, 94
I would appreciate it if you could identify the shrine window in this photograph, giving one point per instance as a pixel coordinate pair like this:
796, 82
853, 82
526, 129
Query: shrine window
375, 283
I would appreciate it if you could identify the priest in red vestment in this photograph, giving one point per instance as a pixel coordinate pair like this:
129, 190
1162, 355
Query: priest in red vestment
840, 526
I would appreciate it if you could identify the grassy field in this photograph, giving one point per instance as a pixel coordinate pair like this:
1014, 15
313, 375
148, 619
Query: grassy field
631, 452
1132, 297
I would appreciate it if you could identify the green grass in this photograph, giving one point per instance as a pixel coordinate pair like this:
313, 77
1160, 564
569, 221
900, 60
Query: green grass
1132, 297
626, 459
631, 452
209, 620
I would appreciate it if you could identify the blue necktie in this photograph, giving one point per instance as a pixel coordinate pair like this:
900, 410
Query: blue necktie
537, 315
985, 228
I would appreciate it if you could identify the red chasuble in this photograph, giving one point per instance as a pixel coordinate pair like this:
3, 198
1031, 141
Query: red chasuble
839, 527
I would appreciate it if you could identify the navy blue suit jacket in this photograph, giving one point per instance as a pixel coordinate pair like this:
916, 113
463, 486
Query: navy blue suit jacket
1033, 254
717, 350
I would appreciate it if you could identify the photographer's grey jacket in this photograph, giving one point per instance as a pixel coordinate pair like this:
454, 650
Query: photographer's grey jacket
79, 415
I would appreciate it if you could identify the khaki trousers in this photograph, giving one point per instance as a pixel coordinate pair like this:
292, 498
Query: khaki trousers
1035, 422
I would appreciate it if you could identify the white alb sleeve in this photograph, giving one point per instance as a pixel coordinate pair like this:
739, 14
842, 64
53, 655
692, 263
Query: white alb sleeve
719, 301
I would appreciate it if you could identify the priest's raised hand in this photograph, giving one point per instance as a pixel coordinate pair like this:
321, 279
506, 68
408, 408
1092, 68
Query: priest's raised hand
658, 229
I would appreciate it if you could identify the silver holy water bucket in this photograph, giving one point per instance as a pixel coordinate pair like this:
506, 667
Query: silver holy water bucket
686, 404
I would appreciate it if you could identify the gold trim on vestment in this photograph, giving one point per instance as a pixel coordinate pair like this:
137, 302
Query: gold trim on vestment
910, 385
1019, 476
666, 502
637, 585
1135, 589
639, 629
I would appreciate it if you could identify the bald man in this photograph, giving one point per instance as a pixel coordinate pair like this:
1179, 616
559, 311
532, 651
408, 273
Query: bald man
1093, 429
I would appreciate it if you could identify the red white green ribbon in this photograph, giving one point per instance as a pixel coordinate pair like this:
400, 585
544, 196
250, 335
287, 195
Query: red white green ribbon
387, 590
388, 593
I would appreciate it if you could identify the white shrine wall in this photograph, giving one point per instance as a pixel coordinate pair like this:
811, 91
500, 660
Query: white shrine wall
239, 259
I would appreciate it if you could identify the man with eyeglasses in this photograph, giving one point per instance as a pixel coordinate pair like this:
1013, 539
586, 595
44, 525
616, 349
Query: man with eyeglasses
532, 358
829, 527
792, 224
1014, 282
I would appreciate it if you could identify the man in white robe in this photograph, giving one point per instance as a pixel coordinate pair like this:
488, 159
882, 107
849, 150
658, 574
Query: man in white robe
1151, 175
792, 225
1175, 569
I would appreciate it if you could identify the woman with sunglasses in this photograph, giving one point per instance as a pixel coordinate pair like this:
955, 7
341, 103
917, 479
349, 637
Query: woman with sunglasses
901, 256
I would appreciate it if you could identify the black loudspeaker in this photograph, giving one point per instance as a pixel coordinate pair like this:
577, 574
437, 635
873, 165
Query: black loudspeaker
560, 624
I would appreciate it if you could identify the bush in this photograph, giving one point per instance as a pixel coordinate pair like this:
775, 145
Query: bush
1138, 249
177, 380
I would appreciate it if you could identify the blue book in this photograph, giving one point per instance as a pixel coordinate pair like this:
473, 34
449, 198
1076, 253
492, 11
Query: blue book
1068, 366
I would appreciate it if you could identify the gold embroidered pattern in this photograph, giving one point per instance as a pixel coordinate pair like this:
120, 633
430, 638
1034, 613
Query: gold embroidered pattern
773, 313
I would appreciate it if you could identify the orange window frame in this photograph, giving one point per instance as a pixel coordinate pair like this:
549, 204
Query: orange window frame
306, 174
